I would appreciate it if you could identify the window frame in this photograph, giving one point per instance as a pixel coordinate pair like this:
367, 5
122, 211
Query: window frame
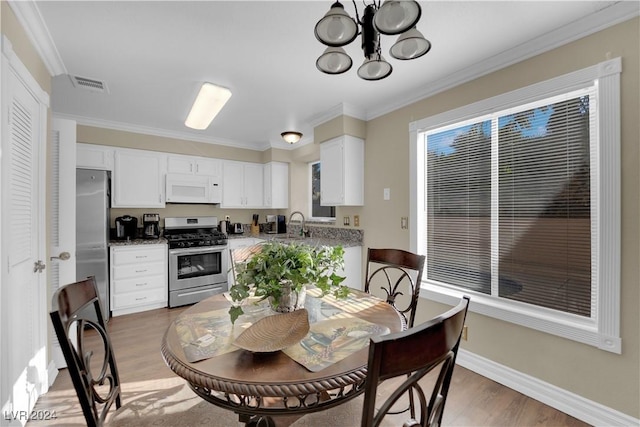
311, 217
603, 329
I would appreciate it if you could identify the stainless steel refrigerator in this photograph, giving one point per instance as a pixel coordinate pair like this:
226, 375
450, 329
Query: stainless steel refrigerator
92, 230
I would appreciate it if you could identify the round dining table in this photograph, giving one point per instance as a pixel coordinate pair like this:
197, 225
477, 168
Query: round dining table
258, 386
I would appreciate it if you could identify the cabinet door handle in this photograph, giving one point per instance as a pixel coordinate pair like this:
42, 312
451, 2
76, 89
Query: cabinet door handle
141, 271
141, 284
141, 299
141, 256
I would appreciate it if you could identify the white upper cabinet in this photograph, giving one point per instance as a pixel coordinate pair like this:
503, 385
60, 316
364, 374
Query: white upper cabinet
89, 156
138, 179
194, 165
342, 176
276, 185
242, 185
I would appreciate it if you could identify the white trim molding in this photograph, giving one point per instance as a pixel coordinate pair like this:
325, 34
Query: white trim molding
570, 403
29, 16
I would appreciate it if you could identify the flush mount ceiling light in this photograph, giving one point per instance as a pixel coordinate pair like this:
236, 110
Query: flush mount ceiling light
391, 17
207, 105
291, 137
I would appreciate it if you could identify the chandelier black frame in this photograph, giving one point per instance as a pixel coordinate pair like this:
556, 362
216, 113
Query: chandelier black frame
391, 17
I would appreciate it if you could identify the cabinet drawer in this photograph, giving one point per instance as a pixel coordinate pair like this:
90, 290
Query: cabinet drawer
138, 284
132, 299
139, 270
139, 255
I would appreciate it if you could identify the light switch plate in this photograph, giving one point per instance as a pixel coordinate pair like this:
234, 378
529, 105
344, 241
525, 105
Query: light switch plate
387, 194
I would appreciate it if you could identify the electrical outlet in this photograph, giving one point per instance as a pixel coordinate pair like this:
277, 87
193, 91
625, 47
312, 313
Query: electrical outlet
346, 220
465, 331
356, 220
404, 222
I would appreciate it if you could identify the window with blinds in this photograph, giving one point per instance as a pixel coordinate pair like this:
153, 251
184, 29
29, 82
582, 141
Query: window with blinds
508, 208
516, 201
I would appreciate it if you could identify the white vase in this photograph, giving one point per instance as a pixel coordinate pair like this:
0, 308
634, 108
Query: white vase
290, 299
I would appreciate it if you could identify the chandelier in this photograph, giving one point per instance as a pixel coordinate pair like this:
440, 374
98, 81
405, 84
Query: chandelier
391, 17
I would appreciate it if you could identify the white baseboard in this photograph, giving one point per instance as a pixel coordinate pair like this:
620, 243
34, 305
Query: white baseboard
570, 403
52, 373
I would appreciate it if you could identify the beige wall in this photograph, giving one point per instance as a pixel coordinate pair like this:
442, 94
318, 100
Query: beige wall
610, 379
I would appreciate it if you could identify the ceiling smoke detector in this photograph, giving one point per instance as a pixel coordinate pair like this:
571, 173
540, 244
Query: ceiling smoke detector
92, 85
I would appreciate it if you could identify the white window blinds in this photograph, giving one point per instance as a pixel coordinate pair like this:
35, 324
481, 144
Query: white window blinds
508, 203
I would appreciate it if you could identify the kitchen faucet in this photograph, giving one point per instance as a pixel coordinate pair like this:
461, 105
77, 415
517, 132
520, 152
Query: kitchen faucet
303, 232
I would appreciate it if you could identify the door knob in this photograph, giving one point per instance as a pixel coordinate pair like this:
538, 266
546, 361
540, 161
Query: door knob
38, 266
62, 257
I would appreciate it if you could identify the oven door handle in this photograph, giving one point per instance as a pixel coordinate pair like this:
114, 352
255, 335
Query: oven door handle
198, 250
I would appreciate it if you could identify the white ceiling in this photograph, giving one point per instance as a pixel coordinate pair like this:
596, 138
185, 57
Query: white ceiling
153, 57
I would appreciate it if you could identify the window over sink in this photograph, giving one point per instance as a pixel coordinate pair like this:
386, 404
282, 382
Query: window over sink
318, 212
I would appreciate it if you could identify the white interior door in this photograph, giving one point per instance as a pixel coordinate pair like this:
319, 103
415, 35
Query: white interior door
23, 307
62, 190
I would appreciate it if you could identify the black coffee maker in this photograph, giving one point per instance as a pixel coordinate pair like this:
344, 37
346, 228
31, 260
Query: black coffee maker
151, 226
126, 227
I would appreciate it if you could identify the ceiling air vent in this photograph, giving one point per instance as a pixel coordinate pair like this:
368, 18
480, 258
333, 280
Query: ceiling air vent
92, 85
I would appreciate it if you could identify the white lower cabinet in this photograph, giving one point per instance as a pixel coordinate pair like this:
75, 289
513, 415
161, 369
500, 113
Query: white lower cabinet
138, 278
353, 267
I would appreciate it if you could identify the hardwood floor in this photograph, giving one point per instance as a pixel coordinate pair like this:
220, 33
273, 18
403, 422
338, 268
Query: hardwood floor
473, 399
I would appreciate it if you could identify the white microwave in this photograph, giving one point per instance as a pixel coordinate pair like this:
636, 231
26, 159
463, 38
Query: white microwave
182, 188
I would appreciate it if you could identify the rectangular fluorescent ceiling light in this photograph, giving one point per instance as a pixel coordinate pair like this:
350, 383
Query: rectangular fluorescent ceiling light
207, 105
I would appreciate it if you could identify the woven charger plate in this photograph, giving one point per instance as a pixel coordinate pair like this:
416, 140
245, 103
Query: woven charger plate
274, 333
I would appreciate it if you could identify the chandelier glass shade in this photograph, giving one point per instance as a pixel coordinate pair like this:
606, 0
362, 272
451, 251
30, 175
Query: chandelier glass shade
391, 17
334, 60
410, 45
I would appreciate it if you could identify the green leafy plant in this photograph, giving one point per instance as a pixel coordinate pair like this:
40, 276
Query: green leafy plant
265, 273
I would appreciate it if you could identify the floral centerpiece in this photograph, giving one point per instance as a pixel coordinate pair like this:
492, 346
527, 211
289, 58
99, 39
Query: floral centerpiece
281, 268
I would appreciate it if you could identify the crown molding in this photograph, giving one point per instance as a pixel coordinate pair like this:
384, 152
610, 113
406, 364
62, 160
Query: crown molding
605, 18
29, 16
146, 130
341, 109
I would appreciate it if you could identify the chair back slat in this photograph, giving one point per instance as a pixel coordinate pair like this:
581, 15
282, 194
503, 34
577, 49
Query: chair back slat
398, 274
78, 323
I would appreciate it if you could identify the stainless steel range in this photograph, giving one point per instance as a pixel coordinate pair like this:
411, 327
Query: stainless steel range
197, 259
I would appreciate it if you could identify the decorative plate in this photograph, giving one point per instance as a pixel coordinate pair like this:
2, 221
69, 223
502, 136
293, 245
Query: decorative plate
274, 333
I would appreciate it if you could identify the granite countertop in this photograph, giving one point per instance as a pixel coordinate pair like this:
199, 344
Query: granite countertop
324, 236
133, 242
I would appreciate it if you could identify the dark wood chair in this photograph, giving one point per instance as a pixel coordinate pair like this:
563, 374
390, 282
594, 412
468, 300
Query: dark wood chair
397, 273
79, 325
242, 255
414, 353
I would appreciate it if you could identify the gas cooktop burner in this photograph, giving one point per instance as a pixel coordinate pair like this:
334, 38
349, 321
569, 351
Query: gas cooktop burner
178, 239
191, 232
